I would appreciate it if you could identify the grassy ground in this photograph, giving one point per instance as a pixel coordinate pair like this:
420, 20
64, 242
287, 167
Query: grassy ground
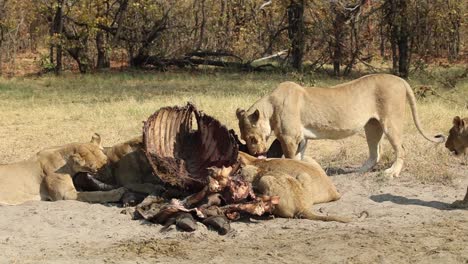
48, 110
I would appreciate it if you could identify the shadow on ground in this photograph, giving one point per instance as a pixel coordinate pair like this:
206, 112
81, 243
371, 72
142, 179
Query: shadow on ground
387, 197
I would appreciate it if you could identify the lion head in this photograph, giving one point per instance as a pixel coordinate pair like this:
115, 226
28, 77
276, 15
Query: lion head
457, 141
89, 157
254, 130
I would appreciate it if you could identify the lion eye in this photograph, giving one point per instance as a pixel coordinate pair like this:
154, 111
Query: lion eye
253, 140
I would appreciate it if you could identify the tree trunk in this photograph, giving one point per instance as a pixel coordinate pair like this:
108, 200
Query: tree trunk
2, 29
382, 40
202, 25
454, 33
143, 52
397, 20
58, 58
403, 38
57, 28
338, 34
296, 32
102, 53
79, 55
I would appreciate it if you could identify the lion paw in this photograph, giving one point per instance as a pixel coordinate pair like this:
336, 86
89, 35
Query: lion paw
391, 173
367, 166
119, 192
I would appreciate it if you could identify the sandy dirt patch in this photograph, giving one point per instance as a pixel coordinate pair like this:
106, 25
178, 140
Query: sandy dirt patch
407, 222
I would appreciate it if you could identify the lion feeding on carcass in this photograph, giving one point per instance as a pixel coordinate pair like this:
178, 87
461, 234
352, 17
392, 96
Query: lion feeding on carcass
205, 162
47, 175
294, 113
457, 142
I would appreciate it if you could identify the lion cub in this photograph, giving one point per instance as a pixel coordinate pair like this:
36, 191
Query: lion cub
299, 185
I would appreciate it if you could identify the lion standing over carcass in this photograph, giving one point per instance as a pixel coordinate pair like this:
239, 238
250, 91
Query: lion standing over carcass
457, 142
294, 113
48, 175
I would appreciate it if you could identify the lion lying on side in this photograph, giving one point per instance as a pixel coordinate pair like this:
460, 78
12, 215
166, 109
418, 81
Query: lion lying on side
48, 175
457, 142
294, 113
299, 185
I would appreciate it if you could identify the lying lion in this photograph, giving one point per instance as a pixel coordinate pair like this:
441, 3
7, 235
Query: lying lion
294, 113
299, 185
48, 175
128, 167
457, 142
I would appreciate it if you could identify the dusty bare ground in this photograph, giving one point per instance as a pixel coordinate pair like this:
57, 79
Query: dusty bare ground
407, 222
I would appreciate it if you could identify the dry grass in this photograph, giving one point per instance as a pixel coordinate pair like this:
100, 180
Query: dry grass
45, 111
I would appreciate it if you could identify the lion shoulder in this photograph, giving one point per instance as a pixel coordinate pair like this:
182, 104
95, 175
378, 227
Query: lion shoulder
287, 89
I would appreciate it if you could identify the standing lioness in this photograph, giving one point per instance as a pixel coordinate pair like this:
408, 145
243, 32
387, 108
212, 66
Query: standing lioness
293, 113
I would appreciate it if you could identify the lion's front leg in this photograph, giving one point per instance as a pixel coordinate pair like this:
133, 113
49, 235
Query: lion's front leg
99, 196
146, 188
289, 145
60, 187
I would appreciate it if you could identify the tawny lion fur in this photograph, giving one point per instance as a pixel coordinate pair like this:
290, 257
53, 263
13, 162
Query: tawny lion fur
457, 142
129, 167
48, 175
293, 113
299, 185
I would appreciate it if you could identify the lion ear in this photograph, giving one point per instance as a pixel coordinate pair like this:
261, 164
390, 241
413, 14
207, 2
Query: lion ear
463, 124
255, 116
96, 139
240, 113
458, 123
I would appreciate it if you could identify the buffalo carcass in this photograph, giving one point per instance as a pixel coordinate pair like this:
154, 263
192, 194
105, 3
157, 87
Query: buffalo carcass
194, 152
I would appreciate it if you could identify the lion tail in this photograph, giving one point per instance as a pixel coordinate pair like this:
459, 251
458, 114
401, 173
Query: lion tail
307, 214
439, 138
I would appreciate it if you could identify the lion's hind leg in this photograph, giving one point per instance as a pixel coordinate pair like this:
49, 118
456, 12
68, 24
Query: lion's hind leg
462, 204
374, 133
308, 214
320, 188
393, 131
277, 185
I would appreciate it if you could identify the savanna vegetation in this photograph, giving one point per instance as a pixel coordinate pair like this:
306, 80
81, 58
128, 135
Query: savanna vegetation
139, 55
50, 110
87, 35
